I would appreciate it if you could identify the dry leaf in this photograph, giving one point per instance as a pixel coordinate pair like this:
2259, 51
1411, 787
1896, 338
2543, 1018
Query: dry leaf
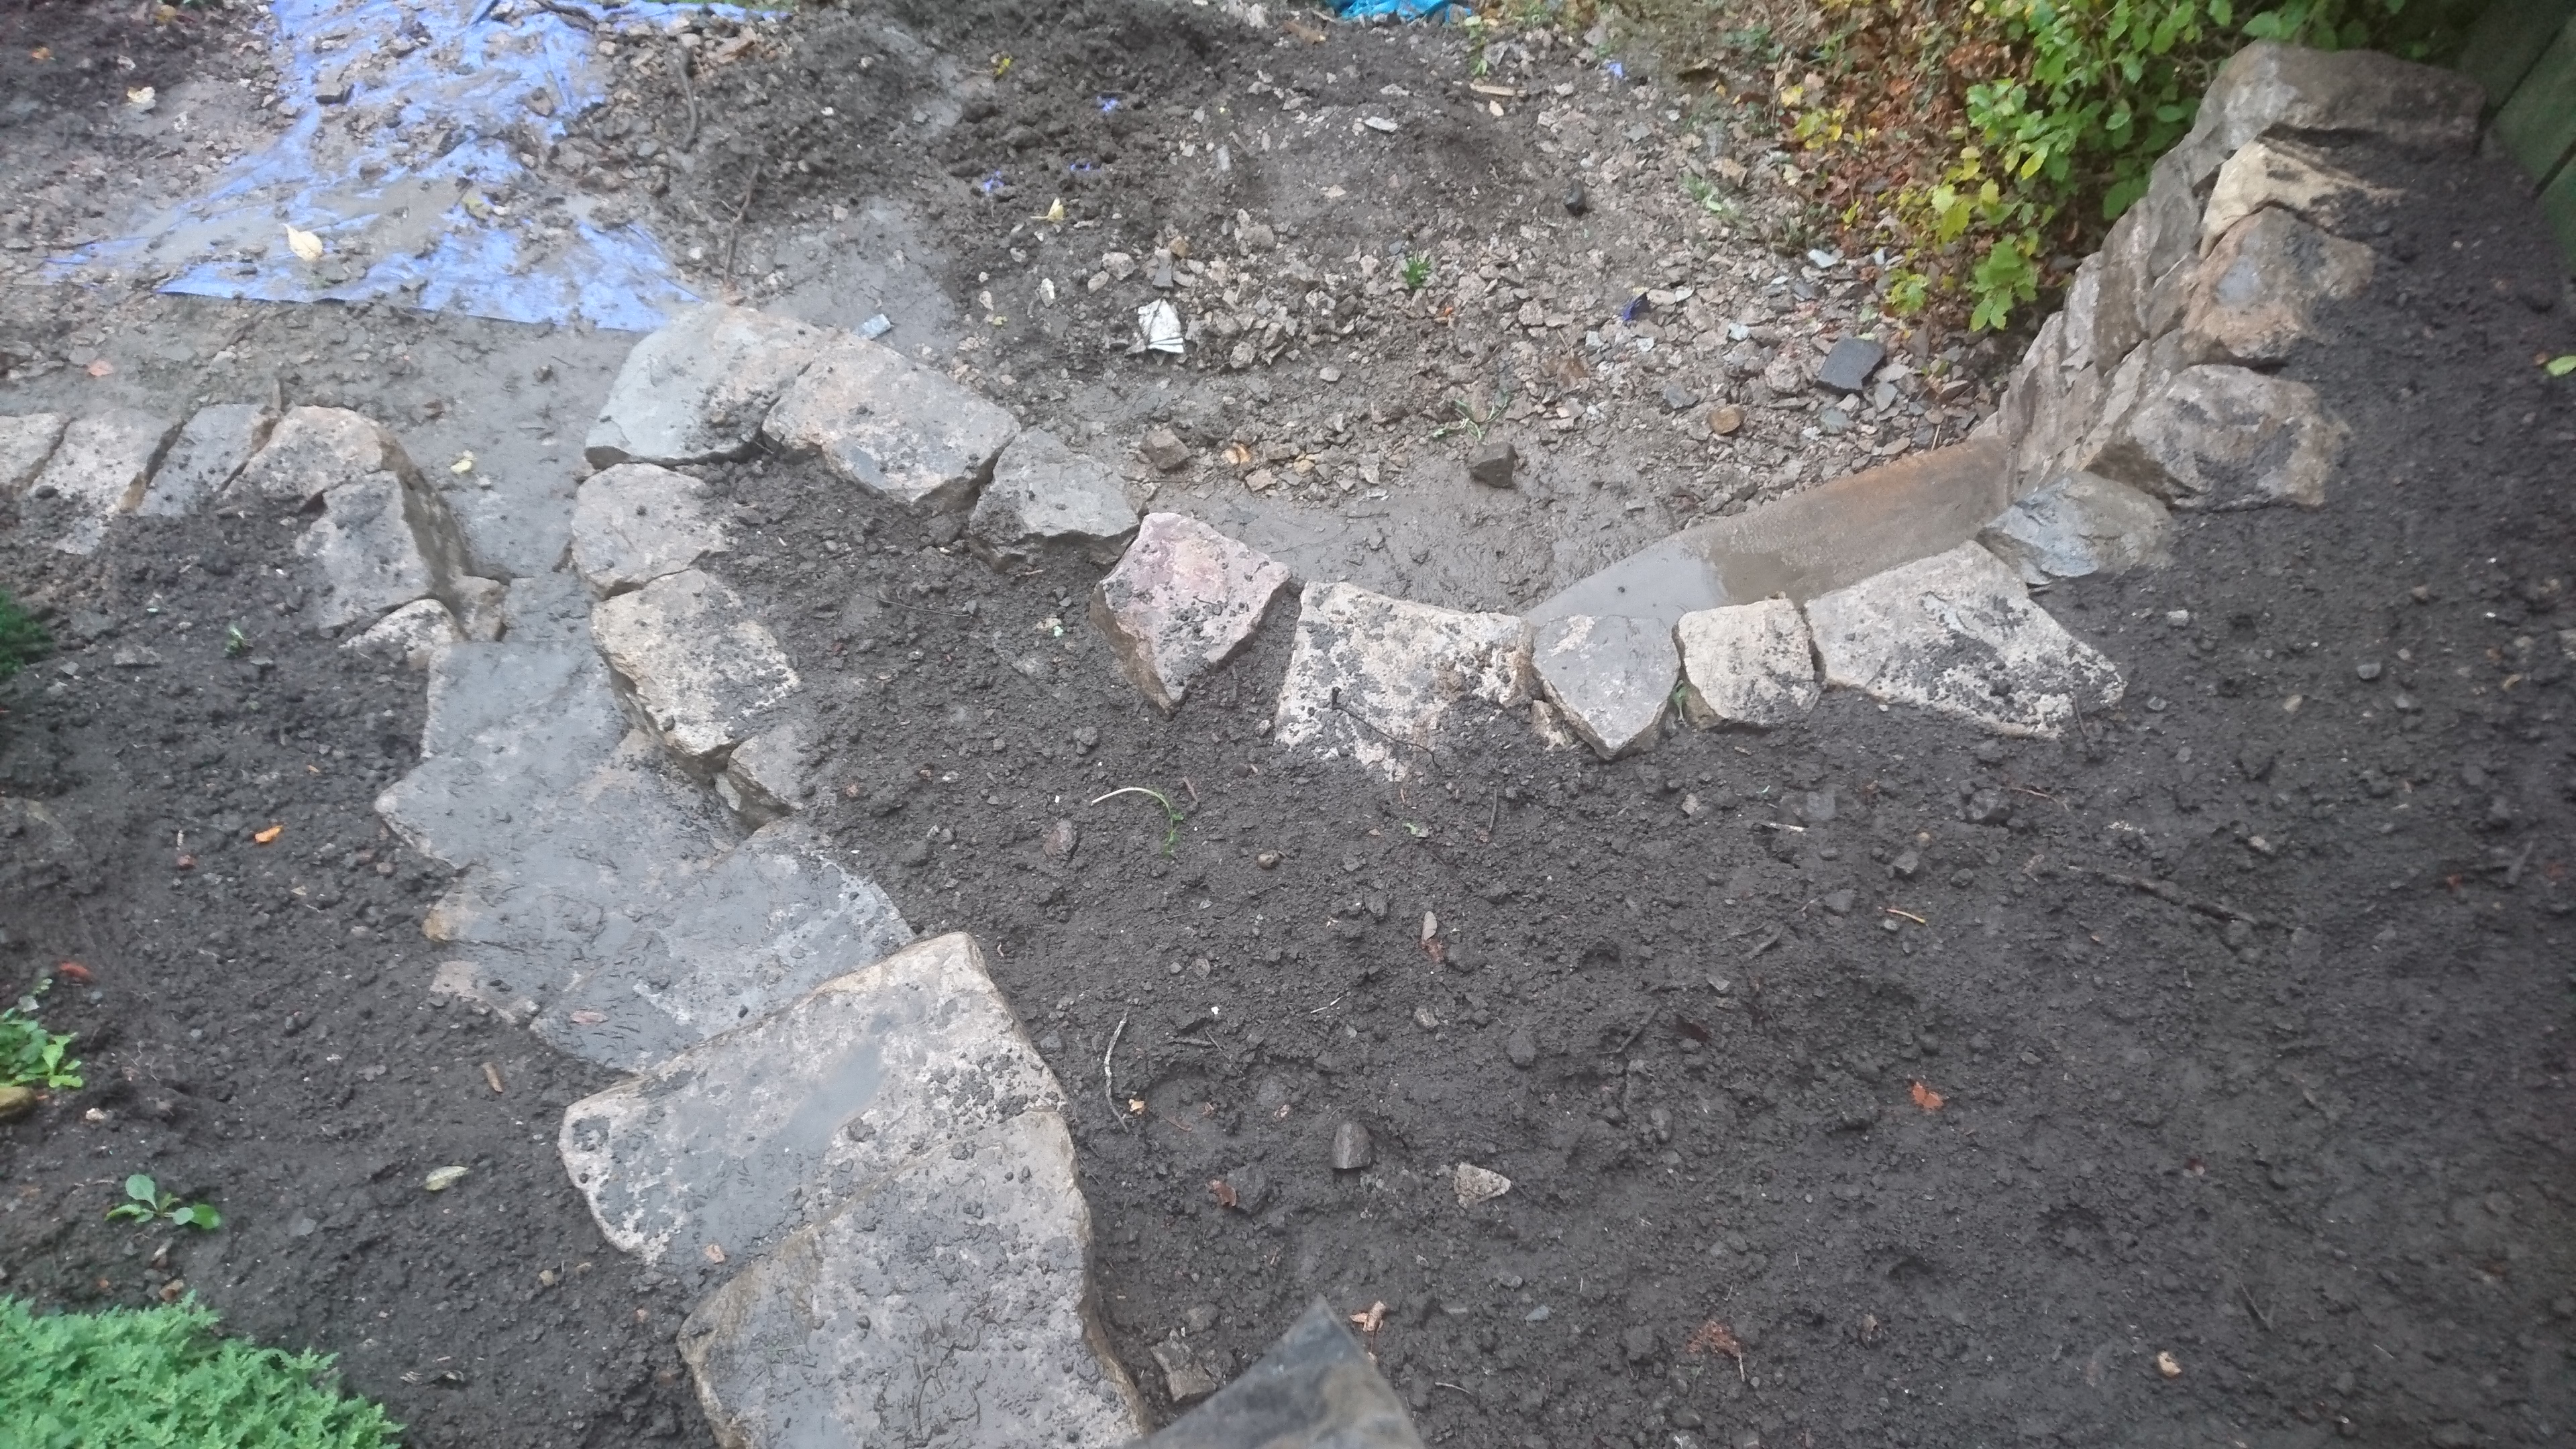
304, 244
1926, 1098
141, 98
71, 971
268, 836
714, 1252
100, 368
1223, 1192
1714, 1337
41, 54
1370, 1321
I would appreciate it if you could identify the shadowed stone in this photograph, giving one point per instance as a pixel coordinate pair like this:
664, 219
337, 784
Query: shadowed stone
1847, 367
2228, 437
2291, 178
1181, 601
26, 441
381, 542
314, 450
1746, 664
1374, 677
100, 468
697, 390
1315, 1389
634, 523
764, 777
1610, 677
2076, 525
701, 667
1187, 1378
215, 445
2274, 90
1957, 634
412, 636
1044, 492
2256, 294
894, 428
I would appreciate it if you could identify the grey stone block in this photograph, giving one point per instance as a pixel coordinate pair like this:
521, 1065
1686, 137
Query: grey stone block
1181, 601
1374, 678
703, 671
1044, 492
214, 446
636, 522
1847, 367
697, 390
894, 428
1610, 677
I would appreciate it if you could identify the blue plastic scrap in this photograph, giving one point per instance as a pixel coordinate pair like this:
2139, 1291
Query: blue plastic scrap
1402, 9
431, 106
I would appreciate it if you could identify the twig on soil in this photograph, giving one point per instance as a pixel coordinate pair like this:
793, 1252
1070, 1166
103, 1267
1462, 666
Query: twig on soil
1109, 1072
680, 68
733, 231
582, 18
2255, 1308
1636, 1031
2168, 892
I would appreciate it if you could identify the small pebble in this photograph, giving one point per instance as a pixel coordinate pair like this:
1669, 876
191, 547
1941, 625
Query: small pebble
2367, 669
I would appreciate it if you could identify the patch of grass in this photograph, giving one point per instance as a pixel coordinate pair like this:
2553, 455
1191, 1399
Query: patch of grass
164, 1376
31, 1056
1417, 271
147, 1203
1171, 813
23, 641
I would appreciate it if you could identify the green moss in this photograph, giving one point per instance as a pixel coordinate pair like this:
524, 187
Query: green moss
163, 1376
23, 641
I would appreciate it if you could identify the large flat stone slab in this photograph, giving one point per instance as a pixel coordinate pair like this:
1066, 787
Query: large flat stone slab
26, 441
1317, 1388
1610, 678
214, 446
100, 468
946, 1303
1044, 492
382, 541
1374, 678
2079, 524
1181, 601
2228, 437
697, 390
314, 450
1957, 634
702, 669
1746, 664
510, 727
2257, 294
636, 522
891, 426
412, 636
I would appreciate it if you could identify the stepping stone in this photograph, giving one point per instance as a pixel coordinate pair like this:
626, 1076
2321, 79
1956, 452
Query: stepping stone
702, 669
1044, 492
412, 636
314, 450
746, 1137
897, 429
1956, 634
1181, 601
1609, 677
697, 390
26, 441
100, 468
2256, 294
2228, 437
634, 523
211, 449
1316, 1388
381, 542
948, 1306
510, 727
2076, 525
1374, 677
2291, 178
1847, 367
1746, 664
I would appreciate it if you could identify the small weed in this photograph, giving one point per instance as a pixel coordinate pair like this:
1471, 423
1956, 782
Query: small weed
1710, 197
236, 643
23, 641
31, 1056
1417, 271
1171, 812
164, 1376
2560, 366
147, 1203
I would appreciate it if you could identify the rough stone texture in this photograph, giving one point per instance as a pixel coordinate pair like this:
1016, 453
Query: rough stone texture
635, 522
1181, 601
2274, 90
1373, 677
1747, 664
508, 728
2079, 524
1164, 449
1957, 634
701, 667
481, 607
2290, 177
1847, 367
314, 450
380, 543
2101, 314
947, 1306
26, 441
412, 636
894, 428
214, 446
1316, 1388
1491, 463
698, 389
2256, 294
1610, 677
2228, 437
1187, 1378
765, 776
100, 467
1043, 492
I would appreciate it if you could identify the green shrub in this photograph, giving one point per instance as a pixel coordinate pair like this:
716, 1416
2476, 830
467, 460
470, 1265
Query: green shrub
23, 641
31, 1056
162, 1376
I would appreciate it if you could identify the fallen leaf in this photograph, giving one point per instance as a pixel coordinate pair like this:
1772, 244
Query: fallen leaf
588, 1018
1926, 1098
100, 368
72, 971
141, 98
441, 1179
2560, 366
1370, 1321
2168, 1365
1223, 1192
268, 836
41, 54
304, 244
464, 464
714, 1252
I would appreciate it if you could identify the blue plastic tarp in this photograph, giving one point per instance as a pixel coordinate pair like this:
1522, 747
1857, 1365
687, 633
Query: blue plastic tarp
1402, 9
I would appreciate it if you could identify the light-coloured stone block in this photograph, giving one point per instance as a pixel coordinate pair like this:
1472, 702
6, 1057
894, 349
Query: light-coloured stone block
1044, 492
635, 522
100, 468
2228, 437
379, 543
214, 446
314, 450
26, 441
1181, 601
703, 671
1610, 677
1374, 678
413, 636
2290, 177
1747, 664
2076, 525
894, 428
2257, 293
697, 390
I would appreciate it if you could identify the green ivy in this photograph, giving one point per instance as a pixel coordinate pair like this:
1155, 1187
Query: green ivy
163, 1376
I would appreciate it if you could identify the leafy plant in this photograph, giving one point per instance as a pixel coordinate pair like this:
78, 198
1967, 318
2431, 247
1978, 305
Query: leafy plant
23, 641
1171, 813
1417, 271
147, 1203
163, 1376
31, 1056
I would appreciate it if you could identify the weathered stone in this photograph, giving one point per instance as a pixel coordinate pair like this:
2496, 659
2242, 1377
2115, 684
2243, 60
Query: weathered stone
2256, 294
381, 542
1180, 602
635, 522
764, 778
482, 607
2274, 90
697, 390
2101, 314
2228, 437
1164, 449
1316, 1388
1610, 676
897, 429
100, 468
1186, 1375
1847, 367
1491, 463
2076, 525
2158, 236
1043, 492
949, 1305
508, 727
1374, 677
702, 669
213, 447
314, 450
26, 441
412, 636
1352, 1147
1746, 664
2294, 179
1956, 634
